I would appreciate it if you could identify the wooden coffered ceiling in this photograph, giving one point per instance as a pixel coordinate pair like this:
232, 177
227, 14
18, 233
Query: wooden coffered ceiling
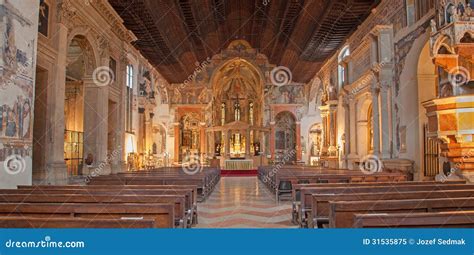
299, 34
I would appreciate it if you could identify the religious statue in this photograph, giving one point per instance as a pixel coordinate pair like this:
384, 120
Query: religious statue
237, 110
469, 12
433, 26
332, 92
460, 9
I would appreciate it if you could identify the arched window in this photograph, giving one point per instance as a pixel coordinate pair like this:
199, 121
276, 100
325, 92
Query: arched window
129, 98
343, 72
410, 9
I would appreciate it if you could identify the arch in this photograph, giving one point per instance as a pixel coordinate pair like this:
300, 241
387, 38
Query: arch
285, 136
84, 32
342, 68
427, 81
218, 73
190, 140
443, 41
363, 119
239, 78
236, 44
315, 139
468, 37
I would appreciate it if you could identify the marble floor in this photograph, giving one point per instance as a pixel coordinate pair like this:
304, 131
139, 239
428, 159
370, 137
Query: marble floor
243, 202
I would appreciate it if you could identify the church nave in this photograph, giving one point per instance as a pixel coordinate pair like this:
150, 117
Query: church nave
243, 202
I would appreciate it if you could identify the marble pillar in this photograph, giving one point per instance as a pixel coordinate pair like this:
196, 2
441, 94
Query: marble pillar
203, 140
298, 142
272, 139
95, 126
385, 122
353, 130
247, 143
176, 142
347, 131
56, 167
375, 120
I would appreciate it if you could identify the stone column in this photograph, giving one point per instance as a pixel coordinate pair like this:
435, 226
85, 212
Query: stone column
332, 127
347, 131
55, 164
353, 129
375, 120
385, 121
203, 139
298, 141
176, 142
95, 126
227, 143
247, 143
120, 76
272, 139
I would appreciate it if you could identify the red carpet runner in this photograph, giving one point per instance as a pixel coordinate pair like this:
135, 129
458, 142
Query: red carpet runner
236, 173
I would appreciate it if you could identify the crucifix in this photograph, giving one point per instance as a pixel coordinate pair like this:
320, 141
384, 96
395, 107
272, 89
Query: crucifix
237, 107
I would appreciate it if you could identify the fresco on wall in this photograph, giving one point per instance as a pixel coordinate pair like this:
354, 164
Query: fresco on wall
17, 71
188, 94
289, 94
43, 18
16, 83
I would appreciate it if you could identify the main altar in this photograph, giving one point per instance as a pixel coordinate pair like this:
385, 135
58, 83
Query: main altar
236, 133
237, 145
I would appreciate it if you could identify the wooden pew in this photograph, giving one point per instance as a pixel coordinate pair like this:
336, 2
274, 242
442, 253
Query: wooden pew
178, 201
114, 192
296, 191
189, 206
272, 175
280, 180
306, 193
202, 189
464, 219
205, 180
53, 222
162, 214
342, 214
320, 202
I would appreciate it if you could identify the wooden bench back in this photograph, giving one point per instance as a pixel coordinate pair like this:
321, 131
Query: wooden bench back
180, 209
320, 202
464, 219
162, 214
56, 222
342, 214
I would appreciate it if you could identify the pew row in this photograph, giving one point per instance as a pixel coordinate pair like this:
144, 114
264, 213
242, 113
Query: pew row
342, 214
161, 214
464, 219
54, 222
320, 202
306, 193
